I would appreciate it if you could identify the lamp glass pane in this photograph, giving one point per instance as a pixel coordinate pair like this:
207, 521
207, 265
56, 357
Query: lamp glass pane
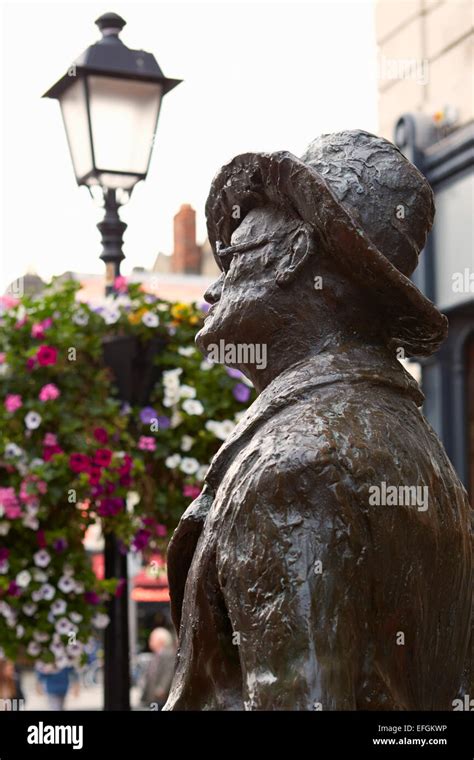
74, 111
123, 115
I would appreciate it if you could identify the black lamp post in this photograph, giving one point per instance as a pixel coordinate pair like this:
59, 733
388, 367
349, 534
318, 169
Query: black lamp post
110, 101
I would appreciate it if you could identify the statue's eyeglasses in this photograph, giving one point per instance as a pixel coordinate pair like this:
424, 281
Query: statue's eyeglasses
227, 253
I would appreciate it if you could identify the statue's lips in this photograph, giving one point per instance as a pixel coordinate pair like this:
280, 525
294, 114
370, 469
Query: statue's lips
213, 308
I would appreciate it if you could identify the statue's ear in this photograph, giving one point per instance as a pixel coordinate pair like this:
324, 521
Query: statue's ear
301, 248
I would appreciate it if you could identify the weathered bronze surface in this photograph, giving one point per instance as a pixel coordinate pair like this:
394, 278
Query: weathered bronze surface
291, 587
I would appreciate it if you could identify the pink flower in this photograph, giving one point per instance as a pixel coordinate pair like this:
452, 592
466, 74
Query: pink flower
120, 284
9, 502
161, 530
50, 439
47, 355
21, 323
49, 392
13, 402
191, 491
50, 451
37, 331
30, 363
9, 302
3, 356
146, 443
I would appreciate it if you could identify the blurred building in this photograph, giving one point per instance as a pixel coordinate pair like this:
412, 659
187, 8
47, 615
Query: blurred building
426, 106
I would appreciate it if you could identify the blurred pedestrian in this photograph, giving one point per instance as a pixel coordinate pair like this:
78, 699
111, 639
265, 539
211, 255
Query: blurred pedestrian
55, 684
160, 670
8, 688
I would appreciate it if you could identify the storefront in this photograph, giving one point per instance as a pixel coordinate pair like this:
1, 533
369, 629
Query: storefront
446, 276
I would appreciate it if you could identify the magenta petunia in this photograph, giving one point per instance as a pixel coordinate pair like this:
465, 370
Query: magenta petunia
47, 355
91, 597
79, 463
103, 457
191, 491
101, 435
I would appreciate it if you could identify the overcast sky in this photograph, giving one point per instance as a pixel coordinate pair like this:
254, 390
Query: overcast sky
257, 76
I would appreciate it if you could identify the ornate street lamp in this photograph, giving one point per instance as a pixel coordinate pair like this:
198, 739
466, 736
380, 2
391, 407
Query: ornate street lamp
110, 102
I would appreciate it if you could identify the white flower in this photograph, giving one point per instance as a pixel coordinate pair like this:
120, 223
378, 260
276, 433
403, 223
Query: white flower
238, 415
192, 406
171, 380
220, 429
171, 398
58, 607
187, 391
75, 649
66, 584
133, 498
23, 579
42, 558
176, 419
173, 461
20, 631
189, 465
41, 636
63, 626
4, 566
32, 509
12, 451
100, 620
186, 443
4, 369
80, 317
68, 570
186, 350
76, 617
29, 609
4, 528
111, 316
33, 649
206, 365
227, 426
37, 595
40, 576
36, 462
62, 662
29, 521
150, 320
202, 472
32, 420
57, 648
89, 646
78, 587
47, 591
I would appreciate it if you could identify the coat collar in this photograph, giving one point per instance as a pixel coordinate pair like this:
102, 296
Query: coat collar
345, 364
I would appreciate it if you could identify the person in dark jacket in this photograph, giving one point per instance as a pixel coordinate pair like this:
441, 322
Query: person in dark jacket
160, 670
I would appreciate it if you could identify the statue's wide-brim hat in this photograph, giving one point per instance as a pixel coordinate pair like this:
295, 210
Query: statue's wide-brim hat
370, 207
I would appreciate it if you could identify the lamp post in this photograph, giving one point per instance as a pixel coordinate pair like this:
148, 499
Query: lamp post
110, 101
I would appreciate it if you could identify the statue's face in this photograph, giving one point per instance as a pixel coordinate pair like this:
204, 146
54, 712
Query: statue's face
244, 295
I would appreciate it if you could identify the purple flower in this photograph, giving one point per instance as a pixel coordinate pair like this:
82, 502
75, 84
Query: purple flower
235, 373
91, 597
163, 422
4, 552
141, 539
110, 507
205, 307
13, 589
147, 415
60, 545
241, 392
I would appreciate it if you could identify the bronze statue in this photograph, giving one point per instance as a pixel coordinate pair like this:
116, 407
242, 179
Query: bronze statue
326, 564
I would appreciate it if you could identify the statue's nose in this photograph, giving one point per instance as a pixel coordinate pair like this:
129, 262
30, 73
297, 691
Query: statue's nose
213, 293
